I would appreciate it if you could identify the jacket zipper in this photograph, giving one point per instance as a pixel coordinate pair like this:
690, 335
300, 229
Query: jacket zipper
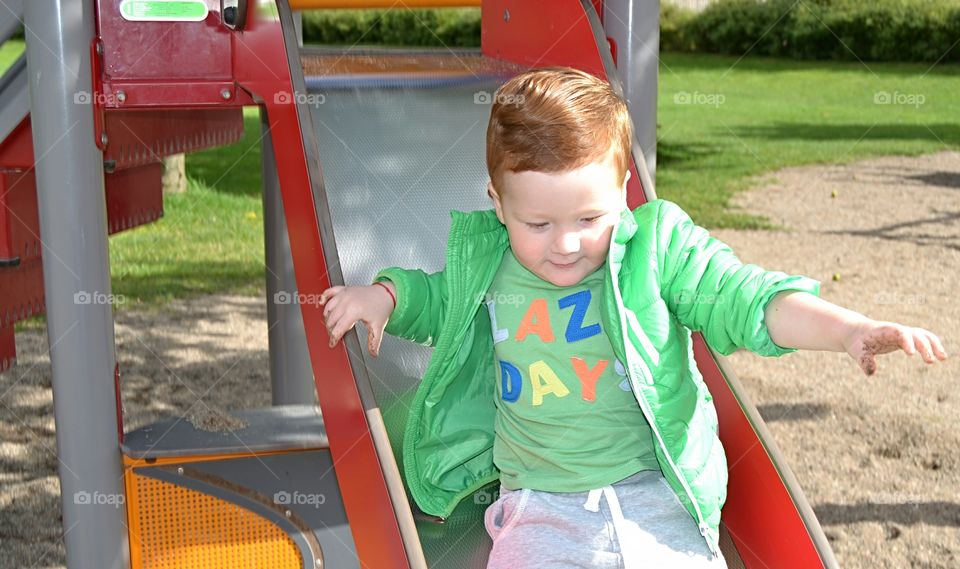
648, 413
454, 316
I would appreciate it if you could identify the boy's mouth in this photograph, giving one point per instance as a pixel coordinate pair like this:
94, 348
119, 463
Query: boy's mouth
564, 266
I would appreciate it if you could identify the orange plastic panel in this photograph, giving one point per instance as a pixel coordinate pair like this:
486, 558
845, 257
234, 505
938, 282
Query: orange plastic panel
175, 527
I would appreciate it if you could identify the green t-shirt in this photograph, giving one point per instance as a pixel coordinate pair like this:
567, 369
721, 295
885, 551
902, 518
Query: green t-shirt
566, 418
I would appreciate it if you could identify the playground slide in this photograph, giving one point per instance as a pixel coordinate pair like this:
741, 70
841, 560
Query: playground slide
401, 143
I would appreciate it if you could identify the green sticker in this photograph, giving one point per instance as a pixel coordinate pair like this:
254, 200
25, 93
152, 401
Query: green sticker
164, 10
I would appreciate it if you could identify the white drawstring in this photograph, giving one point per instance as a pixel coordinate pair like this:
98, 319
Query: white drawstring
619, 522
593, 500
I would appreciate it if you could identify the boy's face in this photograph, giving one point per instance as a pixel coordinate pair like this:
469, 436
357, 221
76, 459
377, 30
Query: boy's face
560, 224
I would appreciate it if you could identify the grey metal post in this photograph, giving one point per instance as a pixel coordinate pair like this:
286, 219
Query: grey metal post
76, 278
635, 27
291, 375
298, 24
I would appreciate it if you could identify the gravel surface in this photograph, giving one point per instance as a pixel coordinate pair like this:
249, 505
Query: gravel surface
876, 457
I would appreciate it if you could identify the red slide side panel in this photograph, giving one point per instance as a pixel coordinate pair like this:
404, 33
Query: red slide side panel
263, 69
759, 513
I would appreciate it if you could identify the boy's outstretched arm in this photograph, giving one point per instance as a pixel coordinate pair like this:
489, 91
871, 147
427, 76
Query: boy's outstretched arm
804, 321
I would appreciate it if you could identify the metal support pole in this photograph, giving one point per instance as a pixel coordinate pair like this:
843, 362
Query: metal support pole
291, 375
635, 27
76, 277
298, 24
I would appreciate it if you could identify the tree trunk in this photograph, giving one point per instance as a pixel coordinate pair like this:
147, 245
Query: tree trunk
174, 174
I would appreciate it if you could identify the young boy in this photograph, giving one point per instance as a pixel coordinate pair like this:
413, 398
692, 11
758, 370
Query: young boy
563, 364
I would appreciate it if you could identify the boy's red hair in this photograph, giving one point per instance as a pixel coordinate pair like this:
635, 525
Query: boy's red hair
554, 120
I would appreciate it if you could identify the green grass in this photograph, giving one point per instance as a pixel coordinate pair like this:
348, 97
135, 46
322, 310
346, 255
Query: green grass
777, 113
210, 238
9, 52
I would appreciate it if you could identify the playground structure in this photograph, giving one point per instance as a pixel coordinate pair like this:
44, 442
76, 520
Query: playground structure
80, 159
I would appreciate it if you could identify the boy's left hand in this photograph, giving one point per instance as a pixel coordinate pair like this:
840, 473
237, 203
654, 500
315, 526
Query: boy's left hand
870, 338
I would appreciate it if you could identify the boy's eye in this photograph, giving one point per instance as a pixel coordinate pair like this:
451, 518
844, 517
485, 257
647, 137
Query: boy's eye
592, 219
536, 225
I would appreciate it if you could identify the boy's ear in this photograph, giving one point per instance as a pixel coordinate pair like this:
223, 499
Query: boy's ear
497, 206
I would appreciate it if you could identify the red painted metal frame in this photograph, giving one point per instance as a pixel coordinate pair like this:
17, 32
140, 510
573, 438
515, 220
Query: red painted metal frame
759, 514
164, 64
23, 296
262, 68
16, 151
128, 129
8, 349
137, 137
22, 284
19, 219
133, 197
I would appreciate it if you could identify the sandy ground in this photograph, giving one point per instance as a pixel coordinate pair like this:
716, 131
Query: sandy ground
876, 457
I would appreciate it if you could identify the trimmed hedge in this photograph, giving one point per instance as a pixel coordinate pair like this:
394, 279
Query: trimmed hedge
874, 30
674, 25
878, 30
399, 27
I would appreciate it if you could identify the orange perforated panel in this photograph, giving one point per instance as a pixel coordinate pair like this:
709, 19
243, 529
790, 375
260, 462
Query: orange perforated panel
175, 527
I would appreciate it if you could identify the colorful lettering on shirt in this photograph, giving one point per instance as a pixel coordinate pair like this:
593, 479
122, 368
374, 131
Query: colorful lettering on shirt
511, 383
580, 301
588, 377
536, 321
544, 381
499, 334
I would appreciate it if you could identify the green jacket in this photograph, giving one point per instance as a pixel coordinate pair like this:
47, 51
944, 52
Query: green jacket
665, 277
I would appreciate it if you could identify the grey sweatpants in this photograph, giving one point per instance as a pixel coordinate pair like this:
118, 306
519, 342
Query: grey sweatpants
563, 530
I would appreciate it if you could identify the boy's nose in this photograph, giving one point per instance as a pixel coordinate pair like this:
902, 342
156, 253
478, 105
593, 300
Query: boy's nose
568, 243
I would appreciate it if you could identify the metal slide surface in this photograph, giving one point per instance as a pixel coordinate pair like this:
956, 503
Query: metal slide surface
402, 143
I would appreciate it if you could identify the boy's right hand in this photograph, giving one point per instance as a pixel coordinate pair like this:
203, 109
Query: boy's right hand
347, 305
